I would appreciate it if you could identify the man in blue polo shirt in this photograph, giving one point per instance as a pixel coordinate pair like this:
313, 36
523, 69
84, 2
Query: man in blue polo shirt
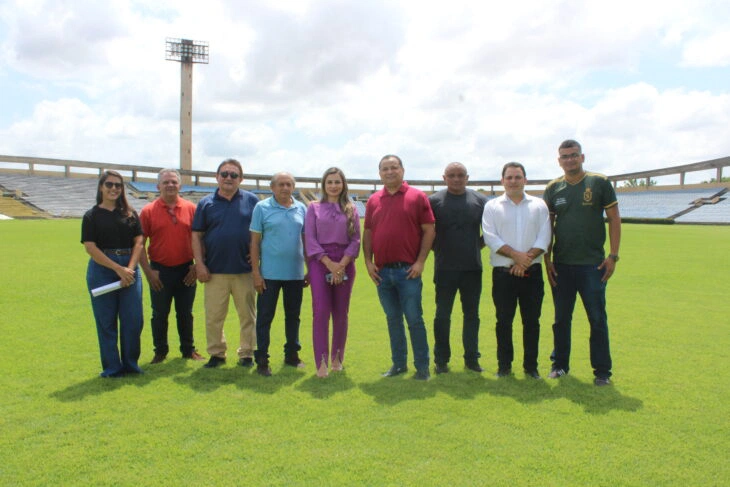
221, 249
277, 259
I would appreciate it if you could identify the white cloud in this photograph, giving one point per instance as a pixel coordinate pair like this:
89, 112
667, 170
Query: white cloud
710, 51
302, 85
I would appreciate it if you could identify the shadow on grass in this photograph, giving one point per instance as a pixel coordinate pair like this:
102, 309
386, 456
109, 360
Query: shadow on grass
462, 385
284, 376
594, 400
524, 390
393, 390
99, 385
325, 388
209, 380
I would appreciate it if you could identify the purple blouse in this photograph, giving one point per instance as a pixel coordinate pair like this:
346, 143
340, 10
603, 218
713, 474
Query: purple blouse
324, 224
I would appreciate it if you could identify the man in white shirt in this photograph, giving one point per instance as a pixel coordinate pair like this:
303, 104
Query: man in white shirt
516, 228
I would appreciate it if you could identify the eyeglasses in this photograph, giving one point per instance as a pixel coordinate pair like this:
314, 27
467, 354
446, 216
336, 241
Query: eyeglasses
574, 155
110, 185
171, 212
233, 175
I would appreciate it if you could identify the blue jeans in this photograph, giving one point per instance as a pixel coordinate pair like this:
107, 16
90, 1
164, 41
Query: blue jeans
124, 305
266, 309
586, 281
398, 297
469, 286
173, 287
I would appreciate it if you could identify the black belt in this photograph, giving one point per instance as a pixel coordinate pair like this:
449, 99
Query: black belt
533, 267
179, 266
397, 265
118, 251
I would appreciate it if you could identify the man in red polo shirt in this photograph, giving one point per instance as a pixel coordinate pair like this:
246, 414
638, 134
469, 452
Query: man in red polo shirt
166, 223
399, 233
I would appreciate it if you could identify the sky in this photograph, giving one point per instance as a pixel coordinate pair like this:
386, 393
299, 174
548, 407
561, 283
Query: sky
303, 85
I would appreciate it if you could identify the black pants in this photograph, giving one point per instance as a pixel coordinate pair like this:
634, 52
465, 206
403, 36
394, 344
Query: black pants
469, 285
173, 287
507, 292
266, 309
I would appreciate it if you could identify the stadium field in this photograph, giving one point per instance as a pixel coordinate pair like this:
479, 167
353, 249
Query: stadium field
663, 422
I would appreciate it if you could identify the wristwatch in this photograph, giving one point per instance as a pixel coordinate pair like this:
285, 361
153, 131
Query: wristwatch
613, 257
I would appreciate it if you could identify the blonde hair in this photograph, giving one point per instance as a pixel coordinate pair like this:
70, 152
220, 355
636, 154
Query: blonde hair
344, 199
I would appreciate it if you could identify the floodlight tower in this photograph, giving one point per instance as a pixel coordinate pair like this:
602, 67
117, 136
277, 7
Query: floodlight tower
186, 52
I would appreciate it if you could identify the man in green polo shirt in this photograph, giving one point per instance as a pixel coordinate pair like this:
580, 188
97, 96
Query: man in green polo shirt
576, 262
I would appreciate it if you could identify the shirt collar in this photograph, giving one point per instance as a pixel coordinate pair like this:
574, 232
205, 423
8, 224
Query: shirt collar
403, 188
237, 194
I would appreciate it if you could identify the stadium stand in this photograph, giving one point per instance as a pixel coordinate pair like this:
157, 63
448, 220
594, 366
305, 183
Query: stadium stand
59, 197
12, 205
49, 196
665, 204
360, 208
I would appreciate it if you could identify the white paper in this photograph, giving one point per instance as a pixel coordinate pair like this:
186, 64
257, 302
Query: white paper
106, 288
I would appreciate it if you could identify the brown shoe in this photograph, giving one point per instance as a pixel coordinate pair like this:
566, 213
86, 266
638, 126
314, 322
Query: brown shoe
263, 369
157, 359
194, 356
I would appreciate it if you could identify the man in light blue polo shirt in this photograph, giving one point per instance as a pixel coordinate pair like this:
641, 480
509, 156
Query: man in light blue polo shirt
277, 261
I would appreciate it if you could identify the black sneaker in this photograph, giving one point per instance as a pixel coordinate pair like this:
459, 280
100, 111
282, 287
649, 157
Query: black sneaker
474, 366
602, 381
422, 374
293, 360
245, 362
393, 371
215, 362
441, 369
533, 373
503, 372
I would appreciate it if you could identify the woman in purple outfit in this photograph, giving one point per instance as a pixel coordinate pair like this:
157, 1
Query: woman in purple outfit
332, 237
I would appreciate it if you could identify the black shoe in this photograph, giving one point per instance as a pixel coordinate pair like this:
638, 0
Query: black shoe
158, 358
263, 369
245, 362
474, 366
602, 381
422, 374
533, 373
214, 362
293, 360
441, 369
503, 372
393, 371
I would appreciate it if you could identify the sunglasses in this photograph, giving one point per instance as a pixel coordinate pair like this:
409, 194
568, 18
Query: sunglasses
110, 185
233, 175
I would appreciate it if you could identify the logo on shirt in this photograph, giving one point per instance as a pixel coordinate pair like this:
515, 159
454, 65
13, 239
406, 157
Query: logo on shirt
560, 201
588, 196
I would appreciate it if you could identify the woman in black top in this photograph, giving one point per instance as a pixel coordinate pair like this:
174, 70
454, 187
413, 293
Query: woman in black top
112, 236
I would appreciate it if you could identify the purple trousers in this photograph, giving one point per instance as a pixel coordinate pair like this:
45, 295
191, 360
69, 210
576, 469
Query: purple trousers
329, 300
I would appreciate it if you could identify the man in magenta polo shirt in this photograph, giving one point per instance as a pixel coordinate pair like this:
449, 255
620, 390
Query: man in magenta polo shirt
399, 233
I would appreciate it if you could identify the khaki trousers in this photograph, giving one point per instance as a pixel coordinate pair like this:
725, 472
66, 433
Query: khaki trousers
217, 293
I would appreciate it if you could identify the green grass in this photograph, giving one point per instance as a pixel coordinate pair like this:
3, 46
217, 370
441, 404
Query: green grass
664, 422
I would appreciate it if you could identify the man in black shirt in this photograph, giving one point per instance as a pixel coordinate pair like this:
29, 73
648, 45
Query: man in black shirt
458, 264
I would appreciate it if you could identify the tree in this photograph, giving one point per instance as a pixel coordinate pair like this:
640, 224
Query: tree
638, 183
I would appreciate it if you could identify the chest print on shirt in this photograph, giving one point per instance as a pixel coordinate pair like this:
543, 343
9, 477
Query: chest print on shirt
588, 196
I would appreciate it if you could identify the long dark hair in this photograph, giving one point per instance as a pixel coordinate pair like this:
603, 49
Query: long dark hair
344, 200
121, 204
